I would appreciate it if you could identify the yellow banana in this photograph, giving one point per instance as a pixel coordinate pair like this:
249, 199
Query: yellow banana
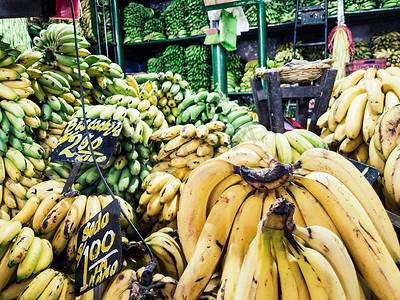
46, 257
20, 246
56, 215
28, 264
38, 284
53, 289
44, 208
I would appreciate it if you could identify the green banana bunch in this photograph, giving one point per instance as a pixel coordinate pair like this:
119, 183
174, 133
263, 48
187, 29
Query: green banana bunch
196, 20
386, 45
198, 66
174, 17
251, 15
249, 72
362, 50
134, 18
235, 65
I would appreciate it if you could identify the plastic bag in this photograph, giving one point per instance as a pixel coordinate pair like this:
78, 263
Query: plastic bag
228, 35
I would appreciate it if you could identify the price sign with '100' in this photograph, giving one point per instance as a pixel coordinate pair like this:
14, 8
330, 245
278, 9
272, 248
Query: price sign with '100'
73, 144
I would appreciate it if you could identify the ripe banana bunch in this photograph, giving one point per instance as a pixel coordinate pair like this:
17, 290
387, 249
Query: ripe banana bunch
170, 258
354, 212
286, 147
285, 260
47, 284
187, 146
163, 90
386, 45
159, 202
357, 103
23, 253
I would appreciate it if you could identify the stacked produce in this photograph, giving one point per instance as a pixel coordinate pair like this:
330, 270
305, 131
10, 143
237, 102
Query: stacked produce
249, 72
174, 16
198, 67
86, 21
185, 147
153, 30
196, 20
313, 53
164, 90
251, 15
155, 65
15, 32
359, 122
134, 18
235, 67
203, 107
362, 50
286, 147
284, 54
219, 188
389, 3
386, 46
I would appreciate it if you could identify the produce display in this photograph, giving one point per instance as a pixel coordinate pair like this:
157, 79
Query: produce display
286, 147
15, 32
386, 46
192, 62
338, 197
359, 122
362, 50
228, 209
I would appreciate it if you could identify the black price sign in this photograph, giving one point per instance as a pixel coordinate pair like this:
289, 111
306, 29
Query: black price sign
99, 253
73, 144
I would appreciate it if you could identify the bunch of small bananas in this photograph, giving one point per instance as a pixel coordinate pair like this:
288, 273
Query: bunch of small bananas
386, 46
362, 50
224, 198
249, 72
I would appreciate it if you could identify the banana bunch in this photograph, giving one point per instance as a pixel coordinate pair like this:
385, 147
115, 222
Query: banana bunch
386, 46
249, 72
358, 102
286, 147
196, 21
49, 135
251, 15
389, 3
204, 107
135, 16
198, 66
333, 8
362, 50
235, 68
297, 263
174, 16
23, 253
159, 202
86, 20
163, 90
187, 146
46, 284
170, 258
284, 54
130, 162
326, 189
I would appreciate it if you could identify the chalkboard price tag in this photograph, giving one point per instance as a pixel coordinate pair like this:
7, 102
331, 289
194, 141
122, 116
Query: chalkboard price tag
99, 254
73, 144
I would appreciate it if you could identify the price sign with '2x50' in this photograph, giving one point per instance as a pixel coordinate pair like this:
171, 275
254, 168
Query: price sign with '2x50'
73, 144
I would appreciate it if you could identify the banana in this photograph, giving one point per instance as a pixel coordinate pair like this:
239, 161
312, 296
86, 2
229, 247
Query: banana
170, 209
169, 190
354, 117
320, 239
93, 207
375, 96
28, 264
188, 131
391, 84
343, 103
189, 147
8, 93
198, 271
385, 133
347, 145
74, 216
390, 100
297, 141
118, 284
287, 280
14, 289
68, 289
46, 257
357, 230
6, 272
21, 245
369, 121
157, 183
339, 167
390, 174
54, 288
310, 208
38, 284
9, 231
243, 232
283, 148
56, 215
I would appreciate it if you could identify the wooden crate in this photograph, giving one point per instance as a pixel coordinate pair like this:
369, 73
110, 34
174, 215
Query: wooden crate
212, 2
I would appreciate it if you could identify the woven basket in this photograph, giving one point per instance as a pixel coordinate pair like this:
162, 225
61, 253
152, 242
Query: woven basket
298, 71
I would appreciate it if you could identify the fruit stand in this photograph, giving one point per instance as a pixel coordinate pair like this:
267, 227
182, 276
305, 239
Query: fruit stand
155, 185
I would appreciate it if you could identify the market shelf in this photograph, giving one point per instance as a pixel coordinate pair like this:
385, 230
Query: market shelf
188, 39
239, 93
